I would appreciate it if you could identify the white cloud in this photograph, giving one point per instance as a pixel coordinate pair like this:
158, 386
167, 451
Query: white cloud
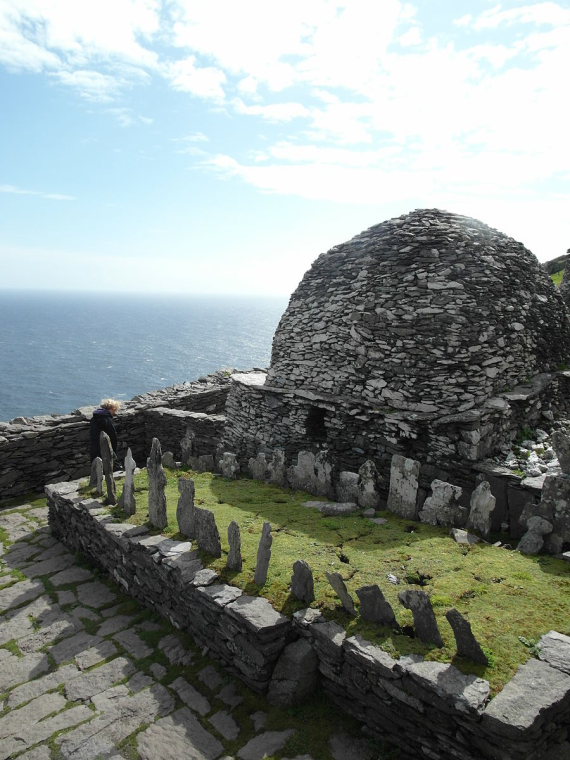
203, 81
273, 111
91, 85
14, 190
551, 14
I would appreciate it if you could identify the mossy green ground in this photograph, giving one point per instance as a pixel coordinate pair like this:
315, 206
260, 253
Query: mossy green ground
557, 277
504, 594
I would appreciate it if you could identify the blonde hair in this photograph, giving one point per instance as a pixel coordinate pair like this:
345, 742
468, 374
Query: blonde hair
111, 404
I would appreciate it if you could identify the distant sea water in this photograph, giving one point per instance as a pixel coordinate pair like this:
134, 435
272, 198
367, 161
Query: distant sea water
59, 351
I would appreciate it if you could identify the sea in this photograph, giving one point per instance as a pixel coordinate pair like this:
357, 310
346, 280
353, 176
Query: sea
62, 350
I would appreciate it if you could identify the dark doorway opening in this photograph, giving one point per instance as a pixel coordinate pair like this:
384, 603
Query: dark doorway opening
315, 424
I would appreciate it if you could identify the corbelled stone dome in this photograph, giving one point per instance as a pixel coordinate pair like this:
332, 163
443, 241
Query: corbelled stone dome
428, 312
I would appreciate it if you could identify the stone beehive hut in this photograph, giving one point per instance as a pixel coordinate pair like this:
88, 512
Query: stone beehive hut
429, 312
400, 341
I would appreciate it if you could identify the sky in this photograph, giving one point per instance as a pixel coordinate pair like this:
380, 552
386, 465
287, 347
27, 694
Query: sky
219, 146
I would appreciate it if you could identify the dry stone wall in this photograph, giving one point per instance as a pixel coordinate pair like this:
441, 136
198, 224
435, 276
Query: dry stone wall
52, 448
429, 709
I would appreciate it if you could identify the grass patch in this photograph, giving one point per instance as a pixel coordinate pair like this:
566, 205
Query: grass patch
557, 277
504, 594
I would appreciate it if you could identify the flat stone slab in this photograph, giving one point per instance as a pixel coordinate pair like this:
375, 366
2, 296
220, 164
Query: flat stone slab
210, 678
94, 655
94, 681
333, 508
133, 644
71, 575
39, 686
257, 613
555, 650
465, 692
191, 696
346, 747
264, 745
49, 566
69, 648
179, 735
225, 725
174, 651
20, 593
14, 670
39, 732
95, 594
114, 624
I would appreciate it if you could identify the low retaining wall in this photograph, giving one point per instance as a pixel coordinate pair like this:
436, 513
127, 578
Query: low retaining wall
428, 709
54, 448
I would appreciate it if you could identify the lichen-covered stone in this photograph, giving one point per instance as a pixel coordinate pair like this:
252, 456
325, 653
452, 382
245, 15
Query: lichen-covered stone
156, 487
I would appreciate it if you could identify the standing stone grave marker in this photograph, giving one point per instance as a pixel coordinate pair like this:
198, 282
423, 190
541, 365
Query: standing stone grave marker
336, 581
229, 466
482, 504
258, 466
302, 583
347, 488
425, 623
96, 478
561, 445
442, 507
263, 555
107, 459
185, 510
235, 560
168, 460
276, 468
402, 498
187, 446
156, 487
467, 644
127, 497
374, 606
368, 479
533, 540
207, 532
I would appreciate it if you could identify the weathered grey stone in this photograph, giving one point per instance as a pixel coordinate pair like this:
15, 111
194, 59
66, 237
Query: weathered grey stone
425, 623
96, 477
463, 537
185, 510
156, 487
465, 693
115, 623
347, 486
302, 583
263, 555
235, 561
127, 498
94, 681
187, 446
94, 655
95, 594
107, 458
49, 566
190, 696
20, 593
295, 674
230, 696
228, 465
72, 646
554, 648
333, 508
403, 494
555, 507
38, 686
346, 747
225, 725
168, 460
179, 735
442, 507
71, 575
174, 650
15, 670
561, 444
302, 476
258, 466
210, 678
207, 532
336, 581
533, 541
368, 482
482, 504
467, 644
277, 469
265, 745
374, 606
324, 474
134, 646
534, 690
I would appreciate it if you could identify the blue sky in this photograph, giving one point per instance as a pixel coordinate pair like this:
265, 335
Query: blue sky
221, 145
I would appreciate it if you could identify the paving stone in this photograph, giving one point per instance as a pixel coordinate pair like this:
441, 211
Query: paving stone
210, 678
34, 711
79, 613
56, 550
94, 681
230, 696
41, 513
225, 725
49, 566
108, 700
111, 611
178, 735
41, 685
54, 631
158, 671
114, 624
191, 696
265, 744
66, 597
139, 682
14, 625
20, 552
39, 732
149, 625
92, 656
123, 715
133, 644
259, 719
37, 753
95, 594
68, 648
15, 670
71, 575
20, 593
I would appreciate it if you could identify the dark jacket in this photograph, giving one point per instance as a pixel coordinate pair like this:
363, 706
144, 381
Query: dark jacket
102, 421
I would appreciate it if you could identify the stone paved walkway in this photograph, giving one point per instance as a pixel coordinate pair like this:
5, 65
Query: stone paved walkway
87, 673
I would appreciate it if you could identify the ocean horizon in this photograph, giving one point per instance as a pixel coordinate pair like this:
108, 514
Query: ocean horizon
61, 350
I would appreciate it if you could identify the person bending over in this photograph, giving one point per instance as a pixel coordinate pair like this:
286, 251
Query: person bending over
102, 421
